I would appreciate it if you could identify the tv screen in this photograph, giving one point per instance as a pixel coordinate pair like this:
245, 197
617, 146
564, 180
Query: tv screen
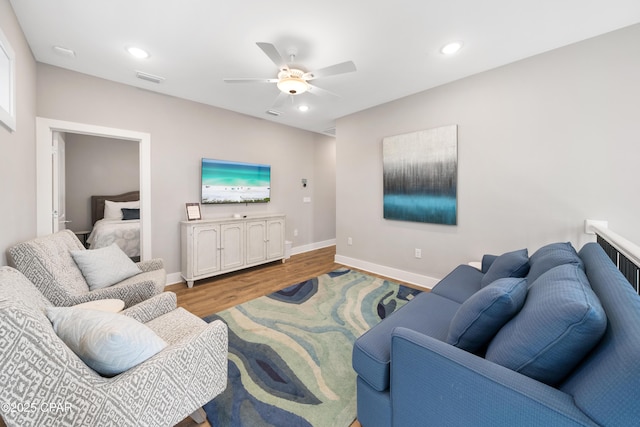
235, 182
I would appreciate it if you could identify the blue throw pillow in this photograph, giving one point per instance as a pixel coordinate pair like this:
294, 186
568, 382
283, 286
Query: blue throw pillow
510, 264
552, 255
485, 312
561, 321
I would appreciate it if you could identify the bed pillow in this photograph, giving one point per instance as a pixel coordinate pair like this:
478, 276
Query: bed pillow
485, 312
509, 264
113, 210
560, 322
129, 214
109, 343
104, 267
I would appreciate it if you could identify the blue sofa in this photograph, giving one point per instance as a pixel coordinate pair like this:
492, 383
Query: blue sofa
547, 340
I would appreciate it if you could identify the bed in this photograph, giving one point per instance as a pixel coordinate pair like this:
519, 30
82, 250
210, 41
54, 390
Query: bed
116, 218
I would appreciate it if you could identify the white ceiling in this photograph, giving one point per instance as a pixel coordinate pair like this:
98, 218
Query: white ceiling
195, 44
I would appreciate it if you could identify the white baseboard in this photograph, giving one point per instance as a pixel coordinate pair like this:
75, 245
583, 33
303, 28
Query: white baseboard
390, 272
173, 278
312, 246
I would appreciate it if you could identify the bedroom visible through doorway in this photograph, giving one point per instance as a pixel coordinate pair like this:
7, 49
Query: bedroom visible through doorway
48, 178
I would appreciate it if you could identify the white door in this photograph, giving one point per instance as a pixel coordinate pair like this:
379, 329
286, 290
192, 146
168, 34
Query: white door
256, 242
206, 248
231, 246
59, 215
275, 238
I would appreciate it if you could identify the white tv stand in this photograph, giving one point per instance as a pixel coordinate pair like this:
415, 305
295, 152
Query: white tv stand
215, 246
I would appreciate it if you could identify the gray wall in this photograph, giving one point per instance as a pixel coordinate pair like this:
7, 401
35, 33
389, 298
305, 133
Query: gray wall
543, 144
17, 149
182, 132
97, 166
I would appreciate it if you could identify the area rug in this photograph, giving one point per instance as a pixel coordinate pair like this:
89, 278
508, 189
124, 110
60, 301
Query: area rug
290, 351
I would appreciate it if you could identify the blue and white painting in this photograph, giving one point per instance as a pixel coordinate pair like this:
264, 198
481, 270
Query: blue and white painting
420, 174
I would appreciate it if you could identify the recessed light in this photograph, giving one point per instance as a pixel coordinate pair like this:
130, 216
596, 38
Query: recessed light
303, 108
138, 52
451, 48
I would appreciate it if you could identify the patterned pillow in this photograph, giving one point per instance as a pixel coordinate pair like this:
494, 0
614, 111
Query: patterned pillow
105, 266
485, 312
509, 264
560, 322
109, 343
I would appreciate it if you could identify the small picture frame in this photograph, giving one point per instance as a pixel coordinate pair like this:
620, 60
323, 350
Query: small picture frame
193, 211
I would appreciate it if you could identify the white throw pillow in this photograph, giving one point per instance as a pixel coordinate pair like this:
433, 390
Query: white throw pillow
113, 210
105, 266
109, 343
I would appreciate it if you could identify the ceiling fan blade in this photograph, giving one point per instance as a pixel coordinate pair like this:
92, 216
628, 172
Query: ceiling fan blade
280, 100
341, 68
251, 80
315, 90
273, 54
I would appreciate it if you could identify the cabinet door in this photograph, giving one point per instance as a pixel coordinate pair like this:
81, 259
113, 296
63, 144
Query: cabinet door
232, 245
206, 253
256, 241
275, 239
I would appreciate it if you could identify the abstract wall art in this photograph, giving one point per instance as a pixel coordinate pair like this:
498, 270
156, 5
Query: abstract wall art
420, 176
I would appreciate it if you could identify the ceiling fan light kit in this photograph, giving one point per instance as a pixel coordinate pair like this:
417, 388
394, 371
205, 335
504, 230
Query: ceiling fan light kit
292, 85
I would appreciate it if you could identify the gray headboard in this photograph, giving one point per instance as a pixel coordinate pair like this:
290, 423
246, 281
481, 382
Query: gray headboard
97, 203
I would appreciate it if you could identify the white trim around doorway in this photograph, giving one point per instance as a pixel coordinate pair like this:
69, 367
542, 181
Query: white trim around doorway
44, 169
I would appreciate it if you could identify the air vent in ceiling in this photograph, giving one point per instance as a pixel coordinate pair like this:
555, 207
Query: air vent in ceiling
274, 113
149, 77
330, 131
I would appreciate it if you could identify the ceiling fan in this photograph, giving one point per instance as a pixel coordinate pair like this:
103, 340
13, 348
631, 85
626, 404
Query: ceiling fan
294, 81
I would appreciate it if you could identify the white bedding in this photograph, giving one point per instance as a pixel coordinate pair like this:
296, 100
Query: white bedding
125, 233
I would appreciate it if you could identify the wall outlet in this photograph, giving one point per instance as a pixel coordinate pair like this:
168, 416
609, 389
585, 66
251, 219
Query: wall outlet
418, 253
349, 241
295, 233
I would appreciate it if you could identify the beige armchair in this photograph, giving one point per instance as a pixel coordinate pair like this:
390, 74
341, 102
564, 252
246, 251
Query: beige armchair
45, 383
48, 264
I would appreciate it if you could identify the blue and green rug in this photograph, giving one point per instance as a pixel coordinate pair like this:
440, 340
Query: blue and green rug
290, 351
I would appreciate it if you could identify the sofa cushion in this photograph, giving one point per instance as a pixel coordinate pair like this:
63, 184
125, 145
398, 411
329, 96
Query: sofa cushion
460, 284
481, 316
549, 256
560, 322
105, 266
109, 343
427, 313
509, 264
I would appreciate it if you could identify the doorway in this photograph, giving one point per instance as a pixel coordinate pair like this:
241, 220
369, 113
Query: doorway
45, 129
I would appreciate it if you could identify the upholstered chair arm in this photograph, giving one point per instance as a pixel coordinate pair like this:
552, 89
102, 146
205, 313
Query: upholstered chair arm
161, 391
151, 264
154, 307
193, 370
131, 293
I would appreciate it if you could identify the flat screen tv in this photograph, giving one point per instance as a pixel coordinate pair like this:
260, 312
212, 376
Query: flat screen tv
235, 182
